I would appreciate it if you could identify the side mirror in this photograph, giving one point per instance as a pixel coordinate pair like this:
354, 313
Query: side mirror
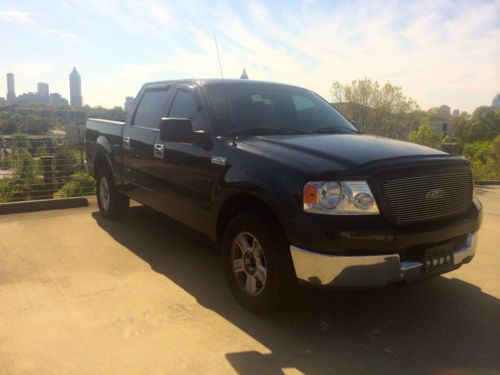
177, 130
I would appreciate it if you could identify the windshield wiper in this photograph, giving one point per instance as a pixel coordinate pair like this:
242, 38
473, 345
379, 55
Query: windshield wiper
266, 131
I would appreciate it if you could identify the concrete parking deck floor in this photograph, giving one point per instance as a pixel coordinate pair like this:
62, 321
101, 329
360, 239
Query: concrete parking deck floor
147, 296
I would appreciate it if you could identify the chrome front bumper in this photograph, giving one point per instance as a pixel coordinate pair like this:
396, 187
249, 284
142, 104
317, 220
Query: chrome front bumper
366, 271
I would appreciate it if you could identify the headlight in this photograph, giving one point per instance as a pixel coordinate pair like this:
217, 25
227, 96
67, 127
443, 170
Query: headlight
339, 198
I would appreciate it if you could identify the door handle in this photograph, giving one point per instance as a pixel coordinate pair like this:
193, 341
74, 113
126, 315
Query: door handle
159, 151
126, 143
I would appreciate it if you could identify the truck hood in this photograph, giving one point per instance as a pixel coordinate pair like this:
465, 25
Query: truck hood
332, 152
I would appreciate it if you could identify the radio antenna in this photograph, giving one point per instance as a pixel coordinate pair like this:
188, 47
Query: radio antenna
218, 57
230, 106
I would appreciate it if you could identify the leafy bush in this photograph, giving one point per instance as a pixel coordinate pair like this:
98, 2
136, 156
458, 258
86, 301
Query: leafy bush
79, 184
8, 190
485, 158
65, 164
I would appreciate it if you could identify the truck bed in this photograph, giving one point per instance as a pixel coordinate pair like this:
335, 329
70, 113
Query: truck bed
105, 127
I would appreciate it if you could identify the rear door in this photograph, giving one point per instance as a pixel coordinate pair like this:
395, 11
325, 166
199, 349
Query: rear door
138, 142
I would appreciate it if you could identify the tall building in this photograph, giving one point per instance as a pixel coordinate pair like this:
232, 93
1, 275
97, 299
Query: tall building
75, 88
11, 92
456, 113
496, 101
43, 92
129, 102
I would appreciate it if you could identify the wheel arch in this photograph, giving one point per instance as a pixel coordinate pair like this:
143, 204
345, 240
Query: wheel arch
240, 202
100, 160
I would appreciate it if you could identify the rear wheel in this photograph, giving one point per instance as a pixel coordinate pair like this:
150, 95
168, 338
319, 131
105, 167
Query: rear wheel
257, 263
112, 203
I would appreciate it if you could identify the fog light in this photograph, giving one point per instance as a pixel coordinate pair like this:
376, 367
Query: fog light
363, 201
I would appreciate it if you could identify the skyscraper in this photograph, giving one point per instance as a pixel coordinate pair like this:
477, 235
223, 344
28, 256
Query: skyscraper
495, 103
75, 88
43, 92
11, 92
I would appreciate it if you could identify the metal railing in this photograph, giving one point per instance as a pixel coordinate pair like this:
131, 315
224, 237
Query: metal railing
42, 167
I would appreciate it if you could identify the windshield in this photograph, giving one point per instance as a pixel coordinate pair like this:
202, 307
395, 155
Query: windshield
258, 109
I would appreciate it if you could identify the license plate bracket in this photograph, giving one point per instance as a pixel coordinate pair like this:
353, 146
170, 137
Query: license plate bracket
438, 259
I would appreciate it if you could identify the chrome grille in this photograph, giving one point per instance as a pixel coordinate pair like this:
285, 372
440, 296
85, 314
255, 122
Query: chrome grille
428, 197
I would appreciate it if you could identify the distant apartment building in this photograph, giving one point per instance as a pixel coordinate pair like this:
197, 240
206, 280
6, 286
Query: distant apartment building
443, 126
455, 113
444, 110
75, 88
57, 99
30, 98
43, 92
11, 92
41, 98
496, 101
129, 102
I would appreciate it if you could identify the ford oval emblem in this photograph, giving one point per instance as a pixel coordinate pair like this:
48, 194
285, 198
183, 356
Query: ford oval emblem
434, 194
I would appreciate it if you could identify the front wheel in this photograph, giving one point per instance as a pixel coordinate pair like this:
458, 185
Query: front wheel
112, 203
257, 263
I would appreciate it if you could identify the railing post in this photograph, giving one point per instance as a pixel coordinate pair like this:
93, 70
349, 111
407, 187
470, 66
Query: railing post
48, 180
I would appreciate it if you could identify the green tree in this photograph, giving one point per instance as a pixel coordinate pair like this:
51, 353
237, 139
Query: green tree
116, 114
425, 135
382, 110
37, 125
10, 122
483, 125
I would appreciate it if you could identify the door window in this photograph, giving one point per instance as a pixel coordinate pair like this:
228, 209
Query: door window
151, 109
185, 106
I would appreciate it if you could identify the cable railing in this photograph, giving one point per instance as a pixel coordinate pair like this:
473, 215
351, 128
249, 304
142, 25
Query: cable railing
42, 167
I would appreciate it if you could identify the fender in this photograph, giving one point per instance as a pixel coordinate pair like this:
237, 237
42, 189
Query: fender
103, 147
261, 184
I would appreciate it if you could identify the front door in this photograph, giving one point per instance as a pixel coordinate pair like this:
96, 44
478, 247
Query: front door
186, 173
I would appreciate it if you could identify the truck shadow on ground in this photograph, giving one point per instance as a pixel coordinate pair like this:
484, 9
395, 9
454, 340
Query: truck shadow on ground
440, 326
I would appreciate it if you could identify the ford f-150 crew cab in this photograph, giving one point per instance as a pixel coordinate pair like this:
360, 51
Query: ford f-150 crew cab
287, 186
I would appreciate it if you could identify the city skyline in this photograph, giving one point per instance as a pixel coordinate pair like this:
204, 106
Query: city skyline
438, 52
42, 95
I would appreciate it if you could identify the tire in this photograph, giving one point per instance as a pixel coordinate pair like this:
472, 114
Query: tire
257, 263
112, 204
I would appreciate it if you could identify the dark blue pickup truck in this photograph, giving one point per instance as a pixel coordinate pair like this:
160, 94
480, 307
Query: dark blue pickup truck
287, 186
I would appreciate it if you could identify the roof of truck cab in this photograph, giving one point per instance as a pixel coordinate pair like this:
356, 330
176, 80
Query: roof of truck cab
214, 81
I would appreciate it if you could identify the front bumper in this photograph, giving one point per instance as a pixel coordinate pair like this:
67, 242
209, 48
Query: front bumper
371, 270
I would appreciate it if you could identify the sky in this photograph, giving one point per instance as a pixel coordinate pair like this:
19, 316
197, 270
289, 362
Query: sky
439, 52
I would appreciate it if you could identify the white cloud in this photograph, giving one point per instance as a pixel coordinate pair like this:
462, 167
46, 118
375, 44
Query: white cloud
15, 16
65, 36
259, 12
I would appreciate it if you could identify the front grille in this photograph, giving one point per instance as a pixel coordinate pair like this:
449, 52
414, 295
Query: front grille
428, 197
